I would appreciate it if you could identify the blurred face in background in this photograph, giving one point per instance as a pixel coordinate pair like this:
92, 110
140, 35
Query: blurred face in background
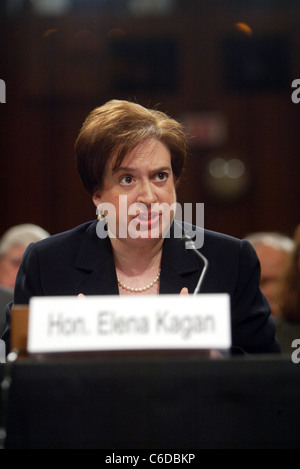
9, 266
272, 261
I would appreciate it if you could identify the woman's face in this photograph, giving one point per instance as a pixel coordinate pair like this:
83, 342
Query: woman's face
138, 197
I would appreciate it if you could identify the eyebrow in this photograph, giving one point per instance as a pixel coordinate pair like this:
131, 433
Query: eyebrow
133, 170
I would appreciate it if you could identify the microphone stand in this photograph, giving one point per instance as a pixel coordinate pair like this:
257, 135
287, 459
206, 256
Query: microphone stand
189, 244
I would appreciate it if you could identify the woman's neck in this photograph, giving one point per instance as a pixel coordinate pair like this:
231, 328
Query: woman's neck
135, 259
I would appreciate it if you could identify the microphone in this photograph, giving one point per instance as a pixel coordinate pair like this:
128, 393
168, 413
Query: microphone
189, 244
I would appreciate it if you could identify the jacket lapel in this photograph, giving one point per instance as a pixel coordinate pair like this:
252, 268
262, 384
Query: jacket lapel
95, 260
180, 267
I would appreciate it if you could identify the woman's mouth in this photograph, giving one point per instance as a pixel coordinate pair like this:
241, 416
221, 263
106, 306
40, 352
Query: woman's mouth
148, 220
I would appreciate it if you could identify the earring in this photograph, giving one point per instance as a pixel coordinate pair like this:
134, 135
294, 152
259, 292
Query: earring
100, 215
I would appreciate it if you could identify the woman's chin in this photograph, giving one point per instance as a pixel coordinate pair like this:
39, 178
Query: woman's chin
144, 231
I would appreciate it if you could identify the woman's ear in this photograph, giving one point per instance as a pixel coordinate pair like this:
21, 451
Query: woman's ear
96, 197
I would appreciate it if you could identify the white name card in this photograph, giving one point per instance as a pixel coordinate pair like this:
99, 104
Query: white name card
106, 323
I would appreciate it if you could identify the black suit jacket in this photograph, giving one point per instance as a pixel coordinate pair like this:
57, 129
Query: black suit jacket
78, 261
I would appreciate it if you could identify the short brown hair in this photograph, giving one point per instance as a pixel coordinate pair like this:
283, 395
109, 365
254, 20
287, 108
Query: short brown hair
115, 129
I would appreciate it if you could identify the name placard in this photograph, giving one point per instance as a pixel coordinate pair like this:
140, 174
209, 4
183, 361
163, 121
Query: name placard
107, 323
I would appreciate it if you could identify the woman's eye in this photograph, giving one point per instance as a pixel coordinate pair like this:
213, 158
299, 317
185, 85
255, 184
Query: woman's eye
162, 176
126, 179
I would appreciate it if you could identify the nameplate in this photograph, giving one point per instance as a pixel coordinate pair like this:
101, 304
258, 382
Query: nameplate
108, 323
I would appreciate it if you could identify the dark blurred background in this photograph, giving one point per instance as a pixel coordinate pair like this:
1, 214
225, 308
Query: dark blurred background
222, 67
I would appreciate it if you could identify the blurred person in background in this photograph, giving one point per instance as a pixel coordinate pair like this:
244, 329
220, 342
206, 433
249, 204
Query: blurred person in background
288, 322
273, 251
12, 246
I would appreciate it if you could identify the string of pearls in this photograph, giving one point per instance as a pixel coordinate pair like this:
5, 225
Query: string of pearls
141, 289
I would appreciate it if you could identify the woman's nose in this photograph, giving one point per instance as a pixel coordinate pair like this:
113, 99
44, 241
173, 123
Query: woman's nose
147, 193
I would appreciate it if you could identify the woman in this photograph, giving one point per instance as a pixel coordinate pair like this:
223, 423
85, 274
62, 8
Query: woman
130, 160
137, 154
288, 320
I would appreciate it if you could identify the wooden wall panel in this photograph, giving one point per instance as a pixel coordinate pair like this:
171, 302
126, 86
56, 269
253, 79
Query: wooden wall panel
58, 69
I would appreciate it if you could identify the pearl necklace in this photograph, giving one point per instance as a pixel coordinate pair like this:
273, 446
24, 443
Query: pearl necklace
141, 289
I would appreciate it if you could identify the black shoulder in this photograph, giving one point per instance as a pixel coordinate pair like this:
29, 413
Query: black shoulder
71, 236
